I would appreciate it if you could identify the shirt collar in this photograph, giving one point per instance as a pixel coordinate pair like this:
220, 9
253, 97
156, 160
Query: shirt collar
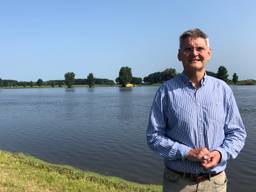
187, 81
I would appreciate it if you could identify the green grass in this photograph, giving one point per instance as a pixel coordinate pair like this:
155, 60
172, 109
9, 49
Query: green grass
19, 172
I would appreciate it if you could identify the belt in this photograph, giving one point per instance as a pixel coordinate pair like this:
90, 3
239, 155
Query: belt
196, 177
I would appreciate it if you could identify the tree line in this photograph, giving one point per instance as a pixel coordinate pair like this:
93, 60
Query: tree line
125, 77
222, 73
69, 81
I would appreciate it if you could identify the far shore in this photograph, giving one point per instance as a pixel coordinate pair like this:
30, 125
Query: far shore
86, 86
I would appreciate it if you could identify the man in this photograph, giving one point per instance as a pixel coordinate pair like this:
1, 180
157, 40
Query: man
194, 122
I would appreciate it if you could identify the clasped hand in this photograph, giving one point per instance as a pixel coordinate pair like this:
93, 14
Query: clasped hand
208, 159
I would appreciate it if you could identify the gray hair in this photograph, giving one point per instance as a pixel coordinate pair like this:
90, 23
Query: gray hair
194, 33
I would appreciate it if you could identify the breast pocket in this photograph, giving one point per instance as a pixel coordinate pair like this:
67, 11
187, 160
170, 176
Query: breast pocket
214, 111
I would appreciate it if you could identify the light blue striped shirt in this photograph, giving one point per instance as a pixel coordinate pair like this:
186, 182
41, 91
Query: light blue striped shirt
183, 118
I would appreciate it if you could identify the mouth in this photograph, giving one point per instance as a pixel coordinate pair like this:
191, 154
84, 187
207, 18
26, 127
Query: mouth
195, 60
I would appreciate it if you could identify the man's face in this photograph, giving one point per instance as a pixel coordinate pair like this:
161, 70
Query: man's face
194, 53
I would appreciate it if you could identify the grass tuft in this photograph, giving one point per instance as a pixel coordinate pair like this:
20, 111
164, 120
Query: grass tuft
23, 173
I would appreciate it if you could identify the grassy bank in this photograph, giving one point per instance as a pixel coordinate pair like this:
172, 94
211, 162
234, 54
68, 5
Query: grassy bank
19, 172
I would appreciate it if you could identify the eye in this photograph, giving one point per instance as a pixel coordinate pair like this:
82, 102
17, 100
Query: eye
200, 48
188, 49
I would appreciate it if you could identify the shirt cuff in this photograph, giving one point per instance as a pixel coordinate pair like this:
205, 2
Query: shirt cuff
224, 156
183, 151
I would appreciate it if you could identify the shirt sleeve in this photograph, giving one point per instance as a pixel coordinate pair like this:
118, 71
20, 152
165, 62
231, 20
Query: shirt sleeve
156, 131
235, 133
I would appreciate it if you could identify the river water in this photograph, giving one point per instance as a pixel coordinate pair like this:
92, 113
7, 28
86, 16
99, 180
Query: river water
103, 130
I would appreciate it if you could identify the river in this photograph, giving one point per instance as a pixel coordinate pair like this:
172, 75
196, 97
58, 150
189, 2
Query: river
103, 130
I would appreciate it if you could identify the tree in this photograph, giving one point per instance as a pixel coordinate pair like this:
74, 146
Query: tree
222, 73
39, 82
168, 74
159, 77
117, 80
69, 79
9, 83
1, 82
90, 80
80, 81
136, 80
31, 83
60, 84
52, 83
125, 76
235, 78
104, 81
210, 73
153, 78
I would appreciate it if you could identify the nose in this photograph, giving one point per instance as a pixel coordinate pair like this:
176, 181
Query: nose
194, 52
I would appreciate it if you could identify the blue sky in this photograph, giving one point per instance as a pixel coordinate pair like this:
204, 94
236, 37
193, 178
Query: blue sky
47, 38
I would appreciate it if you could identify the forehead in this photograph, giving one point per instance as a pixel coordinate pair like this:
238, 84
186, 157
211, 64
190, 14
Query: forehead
193, 42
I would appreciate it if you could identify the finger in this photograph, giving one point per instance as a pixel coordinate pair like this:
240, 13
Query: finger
205, 162
204, 156
209, 164
192, 155
198, 154
212, 155
215, 155
205, 150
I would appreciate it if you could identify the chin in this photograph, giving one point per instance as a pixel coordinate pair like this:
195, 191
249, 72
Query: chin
195, 68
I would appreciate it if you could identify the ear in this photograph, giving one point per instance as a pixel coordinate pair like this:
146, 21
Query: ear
179, 55
209, 53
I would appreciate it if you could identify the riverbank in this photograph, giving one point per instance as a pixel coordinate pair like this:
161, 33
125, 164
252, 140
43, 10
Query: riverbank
21, 173
240, 83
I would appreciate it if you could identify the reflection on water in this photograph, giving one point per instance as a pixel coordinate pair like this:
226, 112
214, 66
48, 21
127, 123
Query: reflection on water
103, 130
91, 89
72, 89
125, 89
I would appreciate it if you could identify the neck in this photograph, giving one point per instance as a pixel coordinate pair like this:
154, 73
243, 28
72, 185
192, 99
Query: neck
195, 77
